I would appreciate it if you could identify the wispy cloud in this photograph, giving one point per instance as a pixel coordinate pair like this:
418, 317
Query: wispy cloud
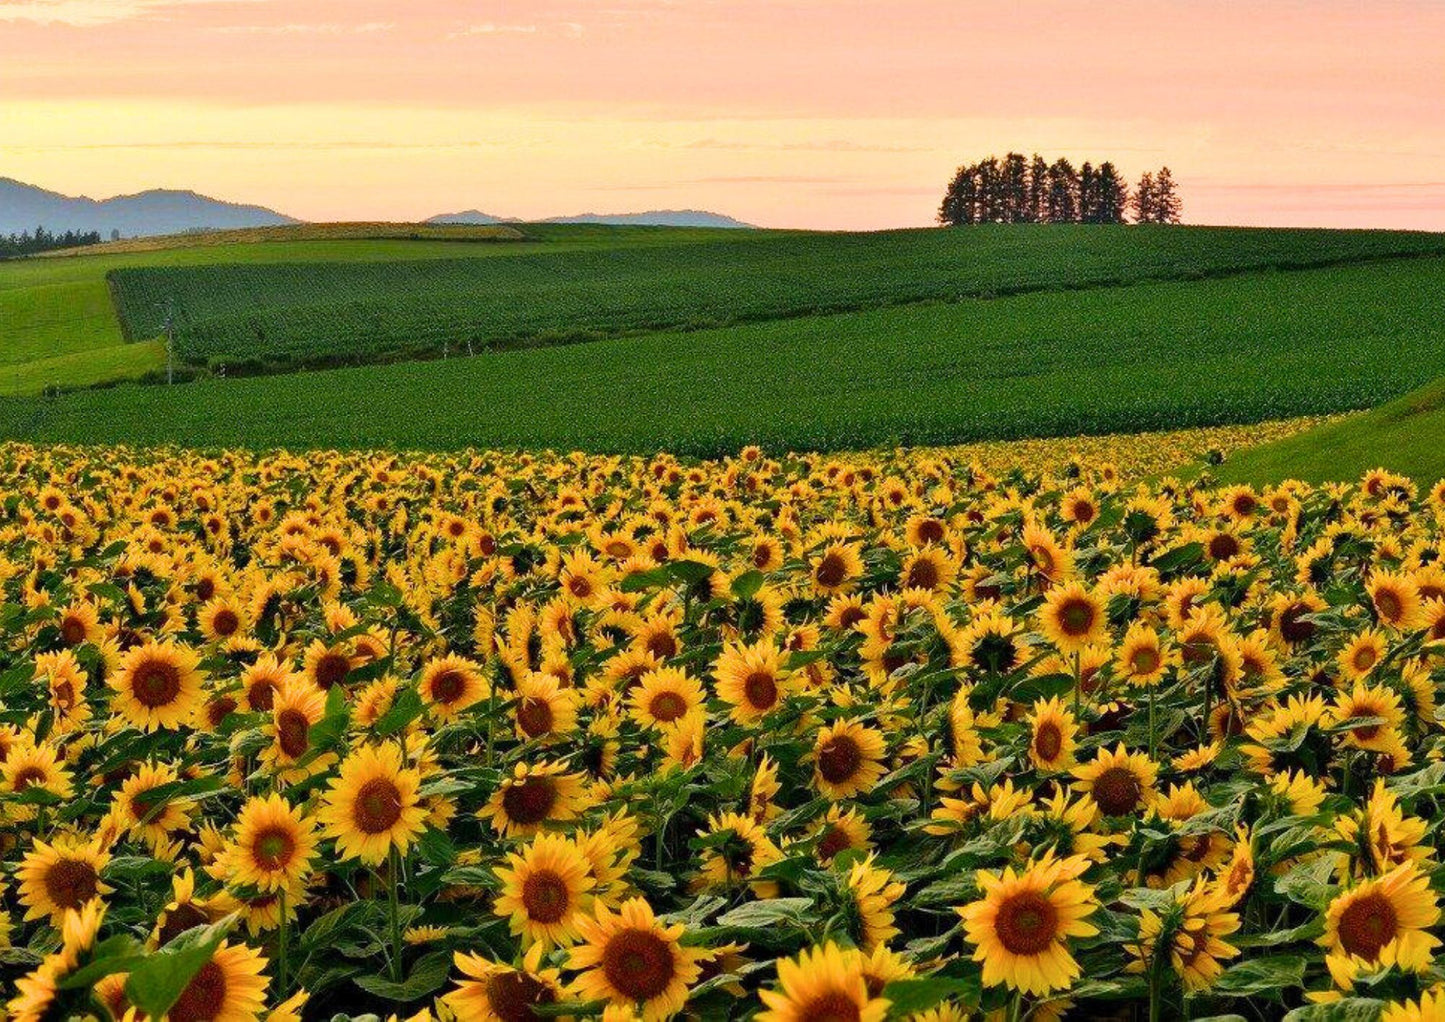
832, 145
492, 28
300, 28
87, 13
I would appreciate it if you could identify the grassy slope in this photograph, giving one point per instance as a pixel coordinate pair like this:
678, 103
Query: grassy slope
1406, 435
278, 316
55, 306
1152, 356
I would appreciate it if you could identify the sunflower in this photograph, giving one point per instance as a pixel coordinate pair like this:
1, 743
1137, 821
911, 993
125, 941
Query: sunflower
65, 679
840, 831
262, 680
1429, 1008
1072, 618
221, 618
835, 568
36, 767
1121, 783
847, 759
750, 679
1197, 945
60, 877
326, 666
1022, 923
450, 684
736, 849
1361, 654
1142, 658
665, 696
273, 845
1051, 736
78, 623
629, 958
1395, 598
229, 987
822, 983
535, 795
36, 993
930, 569
872, 893
493, 992
1379, 706
544, 891
296, 708
150, 816
157, 686
544, 709
1385, 920
372, 806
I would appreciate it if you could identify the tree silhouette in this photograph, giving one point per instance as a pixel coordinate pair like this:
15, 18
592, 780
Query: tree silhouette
1167, 205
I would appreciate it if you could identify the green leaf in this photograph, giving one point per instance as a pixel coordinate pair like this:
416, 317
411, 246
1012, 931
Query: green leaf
158, 981
908, 996
405, 708
121, 953
746, 585
1351, 1009
769, 912
1262, 976
427, 976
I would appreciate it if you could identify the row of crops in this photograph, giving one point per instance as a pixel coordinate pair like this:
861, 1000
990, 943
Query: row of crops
1157, 356
258, 317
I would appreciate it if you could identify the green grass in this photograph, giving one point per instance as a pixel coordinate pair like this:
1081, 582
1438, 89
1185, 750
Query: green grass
1406, 435
277, 316
1152, 356
83, 368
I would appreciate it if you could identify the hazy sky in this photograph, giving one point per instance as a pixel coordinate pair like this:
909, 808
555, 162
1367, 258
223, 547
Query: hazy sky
817, 113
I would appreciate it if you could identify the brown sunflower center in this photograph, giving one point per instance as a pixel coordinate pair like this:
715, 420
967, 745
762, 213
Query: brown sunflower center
923, 574
840, 759
530, 800
28, 776
638, 964
155, 683
1389, 604
662, 644
225, 622
1367, 925
1076, 617
1117, 791
292, 729
183, 917
545, 896
262, 694
1027, 923
831, 571
1223, 546
70, 883
273, 848
667, 706
579, 586
512, 996
331, 669
1145, 660
1364, 658
761, 689
831, 1006
448, 686
377, 806
1048, 741
72, 631
834, 840
1292, 624
534, 717
203, 998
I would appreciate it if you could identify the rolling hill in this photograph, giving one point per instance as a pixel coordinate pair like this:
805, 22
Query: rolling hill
651, 218
23, 207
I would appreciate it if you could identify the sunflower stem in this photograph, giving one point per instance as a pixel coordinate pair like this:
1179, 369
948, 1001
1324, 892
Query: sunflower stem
1152, 745
394, 905
281, 977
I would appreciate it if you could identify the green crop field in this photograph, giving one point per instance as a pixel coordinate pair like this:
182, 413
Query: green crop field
60, 305
1158, 355
277, 316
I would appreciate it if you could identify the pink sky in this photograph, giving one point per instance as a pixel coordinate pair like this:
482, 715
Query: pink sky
812, 113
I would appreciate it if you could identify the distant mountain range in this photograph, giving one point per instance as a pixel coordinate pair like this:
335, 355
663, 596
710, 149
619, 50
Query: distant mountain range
159, 211
24, 207
651, 218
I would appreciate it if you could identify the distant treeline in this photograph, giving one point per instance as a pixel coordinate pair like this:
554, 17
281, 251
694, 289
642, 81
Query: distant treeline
42, 240
1030, 190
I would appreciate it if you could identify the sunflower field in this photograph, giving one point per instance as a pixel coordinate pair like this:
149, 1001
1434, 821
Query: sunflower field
801, 739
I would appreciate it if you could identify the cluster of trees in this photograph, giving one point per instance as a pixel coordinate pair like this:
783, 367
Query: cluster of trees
44, 241
1030, 190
